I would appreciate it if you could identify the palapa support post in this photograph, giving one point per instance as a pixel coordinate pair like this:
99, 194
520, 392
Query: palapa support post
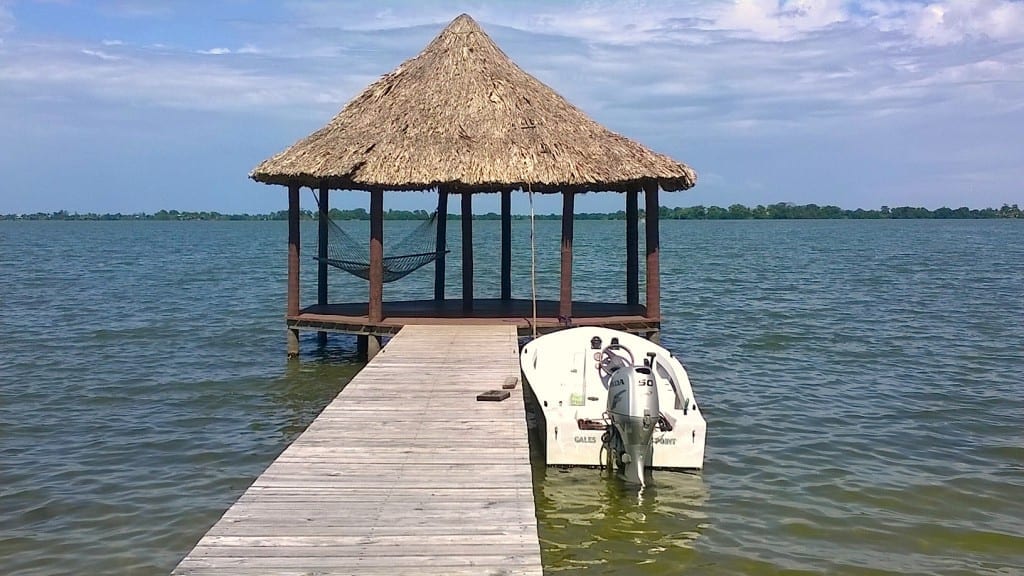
506, 244
321, 270
632, 249
367, 346
294, 245
375, 310
467, 251
565, 288
362, 343
653, 246
441, 244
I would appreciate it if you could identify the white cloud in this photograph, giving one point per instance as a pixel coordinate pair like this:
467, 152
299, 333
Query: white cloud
688, 22
6, 19
957, 20
100, 54
598, 21
821, 71
137, 8
940, 22
221, 51
785, 20
951, 21
628, 23
140, 77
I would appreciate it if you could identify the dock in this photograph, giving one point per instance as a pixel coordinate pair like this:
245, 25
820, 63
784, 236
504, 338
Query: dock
404, 472
354, 317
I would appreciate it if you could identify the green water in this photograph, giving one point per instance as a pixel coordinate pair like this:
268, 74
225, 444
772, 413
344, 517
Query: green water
863, 383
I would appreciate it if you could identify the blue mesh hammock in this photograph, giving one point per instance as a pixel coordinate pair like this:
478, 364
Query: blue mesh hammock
412, 252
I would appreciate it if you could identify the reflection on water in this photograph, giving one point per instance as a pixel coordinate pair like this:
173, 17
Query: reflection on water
322, 374
590, 521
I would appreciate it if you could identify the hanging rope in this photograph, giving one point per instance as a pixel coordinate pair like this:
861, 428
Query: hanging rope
533, 259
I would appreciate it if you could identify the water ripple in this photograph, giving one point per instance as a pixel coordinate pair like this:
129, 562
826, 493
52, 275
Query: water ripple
861, 382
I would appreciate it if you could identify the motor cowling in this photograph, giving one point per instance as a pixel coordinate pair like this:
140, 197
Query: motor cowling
634, 410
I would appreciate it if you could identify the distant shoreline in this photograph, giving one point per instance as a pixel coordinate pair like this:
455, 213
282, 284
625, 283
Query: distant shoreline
780, 211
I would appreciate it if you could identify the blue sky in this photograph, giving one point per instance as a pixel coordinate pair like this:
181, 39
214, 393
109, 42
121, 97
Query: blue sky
131, 106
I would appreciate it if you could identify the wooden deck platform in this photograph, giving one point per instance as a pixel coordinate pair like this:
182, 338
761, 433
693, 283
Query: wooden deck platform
405, 472
353, 318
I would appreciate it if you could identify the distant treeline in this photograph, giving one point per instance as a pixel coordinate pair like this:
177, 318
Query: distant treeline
780, 211
787, 211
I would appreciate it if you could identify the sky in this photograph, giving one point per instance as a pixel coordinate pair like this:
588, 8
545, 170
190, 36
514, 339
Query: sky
136, 106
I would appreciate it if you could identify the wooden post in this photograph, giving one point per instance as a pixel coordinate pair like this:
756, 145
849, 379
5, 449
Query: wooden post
367, 346
653, 245
362, 344
441, 243
632, 249
376, 306
293, 266
467, 251
506, 244
375, 310
321, 271
565, 289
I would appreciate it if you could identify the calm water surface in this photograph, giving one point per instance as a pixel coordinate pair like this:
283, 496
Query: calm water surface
863, 384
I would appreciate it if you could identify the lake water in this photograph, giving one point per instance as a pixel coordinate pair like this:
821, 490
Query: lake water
863, 383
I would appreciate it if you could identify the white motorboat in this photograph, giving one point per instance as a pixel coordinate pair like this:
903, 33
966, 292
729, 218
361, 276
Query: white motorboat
610, 396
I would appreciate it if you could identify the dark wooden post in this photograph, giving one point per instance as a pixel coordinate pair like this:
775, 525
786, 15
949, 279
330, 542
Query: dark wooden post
653, 245
321, 271
632, 250
293, 266
467, 251
441, 243
376, 304
506, 244
565, 289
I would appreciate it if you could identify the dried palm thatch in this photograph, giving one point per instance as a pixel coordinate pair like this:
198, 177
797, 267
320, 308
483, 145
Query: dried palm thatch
463, 116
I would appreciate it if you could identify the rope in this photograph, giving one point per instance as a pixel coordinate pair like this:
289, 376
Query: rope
533, 260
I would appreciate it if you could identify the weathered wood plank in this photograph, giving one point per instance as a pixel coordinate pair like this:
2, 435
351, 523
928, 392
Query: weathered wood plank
394, 539
369, 546
404, 472
419, 563
362, 571
365, 515
277, 530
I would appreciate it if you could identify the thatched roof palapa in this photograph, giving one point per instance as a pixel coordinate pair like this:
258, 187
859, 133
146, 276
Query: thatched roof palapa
462, 115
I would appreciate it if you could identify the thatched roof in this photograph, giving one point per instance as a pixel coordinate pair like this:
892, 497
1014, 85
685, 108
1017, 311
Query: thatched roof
462, 115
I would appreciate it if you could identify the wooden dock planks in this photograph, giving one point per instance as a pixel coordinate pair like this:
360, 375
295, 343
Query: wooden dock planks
404, 472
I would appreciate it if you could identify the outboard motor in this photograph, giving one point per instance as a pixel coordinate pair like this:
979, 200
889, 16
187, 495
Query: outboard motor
634, 411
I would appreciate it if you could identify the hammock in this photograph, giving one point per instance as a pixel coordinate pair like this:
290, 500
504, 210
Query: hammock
413, 252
